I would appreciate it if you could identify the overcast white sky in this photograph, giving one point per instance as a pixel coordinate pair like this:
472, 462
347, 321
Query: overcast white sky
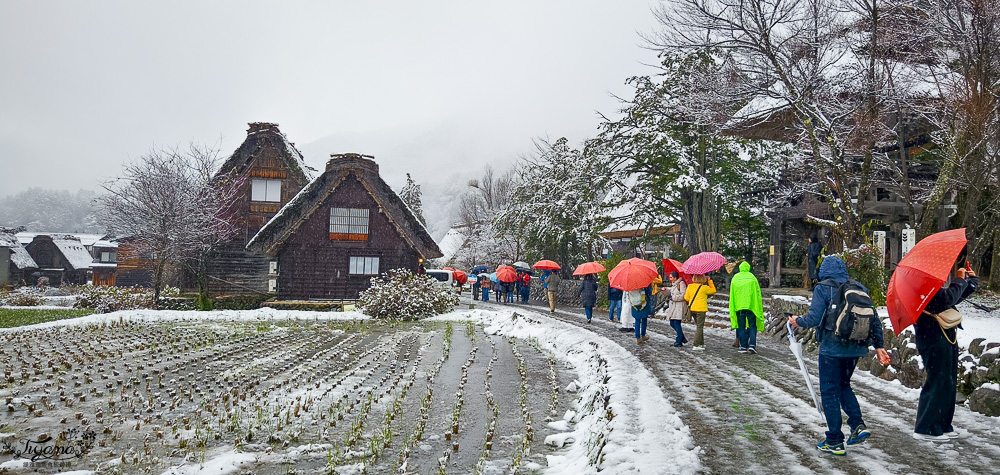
434, 88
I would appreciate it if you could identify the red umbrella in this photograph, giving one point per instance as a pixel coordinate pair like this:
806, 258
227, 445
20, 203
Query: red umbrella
703, 263
632, 275
546, 264
589, 268
670, 265
447, 268
920, 274
460, 276
506, 274
643, 262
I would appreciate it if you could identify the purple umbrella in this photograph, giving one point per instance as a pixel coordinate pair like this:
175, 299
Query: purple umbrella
703, 263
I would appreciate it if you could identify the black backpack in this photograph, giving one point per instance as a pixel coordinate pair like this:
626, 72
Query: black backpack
849, 316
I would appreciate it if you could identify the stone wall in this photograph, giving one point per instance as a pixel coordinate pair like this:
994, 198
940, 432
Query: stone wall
978, 364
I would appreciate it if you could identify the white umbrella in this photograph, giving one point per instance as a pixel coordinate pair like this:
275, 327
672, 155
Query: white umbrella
522, 265
796, 348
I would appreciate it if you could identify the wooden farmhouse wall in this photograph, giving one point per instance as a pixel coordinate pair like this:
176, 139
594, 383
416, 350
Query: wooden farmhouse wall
312, 265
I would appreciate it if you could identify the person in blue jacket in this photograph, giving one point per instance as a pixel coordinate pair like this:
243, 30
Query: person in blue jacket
837, 360
614, 304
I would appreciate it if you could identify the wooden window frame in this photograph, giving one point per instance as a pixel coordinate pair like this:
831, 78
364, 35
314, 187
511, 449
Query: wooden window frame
349, 224
267, 184
369, 265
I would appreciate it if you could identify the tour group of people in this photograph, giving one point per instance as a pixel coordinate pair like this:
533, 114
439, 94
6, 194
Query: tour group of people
838, 357
503, 292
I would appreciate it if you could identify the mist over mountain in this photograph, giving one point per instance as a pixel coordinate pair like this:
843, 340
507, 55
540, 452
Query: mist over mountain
49, 210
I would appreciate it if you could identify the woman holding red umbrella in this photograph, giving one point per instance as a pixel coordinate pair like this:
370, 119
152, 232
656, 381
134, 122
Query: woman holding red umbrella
938, 349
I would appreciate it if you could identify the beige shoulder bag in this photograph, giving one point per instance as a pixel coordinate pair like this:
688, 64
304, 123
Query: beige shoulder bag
947, 319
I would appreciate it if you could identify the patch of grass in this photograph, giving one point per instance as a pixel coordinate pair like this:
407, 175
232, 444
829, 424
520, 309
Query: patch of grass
16, 317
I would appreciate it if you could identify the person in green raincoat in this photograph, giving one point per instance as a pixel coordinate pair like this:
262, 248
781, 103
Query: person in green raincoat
746, 308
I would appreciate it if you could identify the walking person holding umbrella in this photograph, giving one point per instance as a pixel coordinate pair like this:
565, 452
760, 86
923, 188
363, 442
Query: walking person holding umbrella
588, 288
700, 289
696, 296
678, 307
838, 357
588, 295
935, 268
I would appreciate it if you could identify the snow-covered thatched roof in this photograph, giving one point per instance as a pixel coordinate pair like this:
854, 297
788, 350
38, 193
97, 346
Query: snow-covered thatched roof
275, 232
451, 243
73, 250
98, 240
265, 133
18, 254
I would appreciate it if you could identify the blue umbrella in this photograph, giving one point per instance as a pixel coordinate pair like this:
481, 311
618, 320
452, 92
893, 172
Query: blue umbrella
478, 269
494, 278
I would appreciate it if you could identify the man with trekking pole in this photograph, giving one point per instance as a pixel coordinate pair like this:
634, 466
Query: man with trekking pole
846, 325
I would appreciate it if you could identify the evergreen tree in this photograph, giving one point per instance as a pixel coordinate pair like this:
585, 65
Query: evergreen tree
410, 194
673, 162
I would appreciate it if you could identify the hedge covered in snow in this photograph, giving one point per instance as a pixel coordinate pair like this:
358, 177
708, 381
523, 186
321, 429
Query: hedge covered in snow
22, 297
400, 294
112, 299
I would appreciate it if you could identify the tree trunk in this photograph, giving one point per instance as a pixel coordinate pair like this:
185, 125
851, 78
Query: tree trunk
158, 280
929, 213
204, 301
994, 282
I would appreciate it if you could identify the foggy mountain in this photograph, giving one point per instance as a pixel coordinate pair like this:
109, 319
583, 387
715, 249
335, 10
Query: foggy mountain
42, 209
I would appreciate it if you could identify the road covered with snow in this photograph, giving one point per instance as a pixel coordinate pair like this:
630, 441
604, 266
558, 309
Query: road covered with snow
753, 413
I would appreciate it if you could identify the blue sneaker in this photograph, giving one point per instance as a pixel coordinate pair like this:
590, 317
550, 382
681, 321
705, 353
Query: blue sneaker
835, 449
859, 435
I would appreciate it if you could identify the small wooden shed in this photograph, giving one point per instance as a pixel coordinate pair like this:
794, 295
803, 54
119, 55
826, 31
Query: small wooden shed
343, 228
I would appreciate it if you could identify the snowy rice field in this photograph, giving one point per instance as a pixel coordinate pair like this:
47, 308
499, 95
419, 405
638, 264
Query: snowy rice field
275, 392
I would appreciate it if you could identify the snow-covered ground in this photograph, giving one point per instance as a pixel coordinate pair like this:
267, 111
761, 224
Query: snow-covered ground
630, 409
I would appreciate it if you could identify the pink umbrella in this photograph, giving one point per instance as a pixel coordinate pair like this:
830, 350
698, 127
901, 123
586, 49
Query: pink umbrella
703, 263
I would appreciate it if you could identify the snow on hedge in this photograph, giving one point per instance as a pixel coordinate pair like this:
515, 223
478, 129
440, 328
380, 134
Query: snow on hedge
400, 294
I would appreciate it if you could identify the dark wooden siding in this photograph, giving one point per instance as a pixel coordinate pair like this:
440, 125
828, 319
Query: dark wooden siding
311, 266
233, 270
134, 269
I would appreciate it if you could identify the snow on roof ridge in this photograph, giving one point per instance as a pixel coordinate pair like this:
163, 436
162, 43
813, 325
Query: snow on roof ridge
73, 250
18, 254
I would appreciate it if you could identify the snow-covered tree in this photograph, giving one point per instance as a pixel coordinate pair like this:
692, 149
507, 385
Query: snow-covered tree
410, 194
958, 42
490, 241
816, 66
674, 162
169, 203
557, 205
